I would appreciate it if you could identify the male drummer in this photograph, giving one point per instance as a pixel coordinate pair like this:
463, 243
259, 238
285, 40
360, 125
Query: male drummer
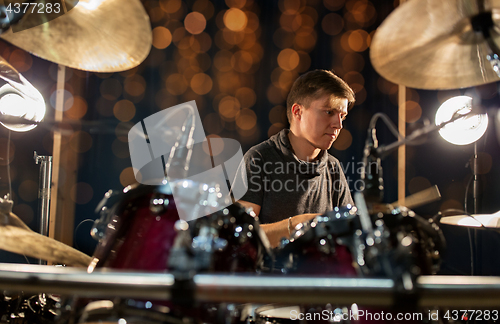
291, 176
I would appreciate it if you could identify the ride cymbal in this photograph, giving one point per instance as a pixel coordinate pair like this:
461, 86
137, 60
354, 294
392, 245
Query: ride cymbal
429, 44
477, 221
94, 35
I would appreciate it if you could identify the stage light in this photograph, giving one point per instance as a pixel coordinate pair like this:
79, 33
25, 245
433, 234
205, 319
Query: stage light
18, 98
465, 130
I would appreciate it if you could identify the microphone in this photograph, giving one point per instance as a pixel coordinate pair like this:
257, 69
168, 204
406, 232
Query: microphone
372, 174
177, 166
8, 17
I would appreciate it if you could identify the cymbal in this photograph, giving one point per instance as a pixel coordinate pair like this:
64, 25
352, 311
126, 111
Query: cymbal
21, 241
94, 35
476, 221
17, 237
430, 44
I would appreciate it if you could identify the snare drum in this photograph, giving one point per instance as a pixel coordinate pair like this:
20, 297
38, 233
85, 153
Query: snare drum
321, 246
335, 244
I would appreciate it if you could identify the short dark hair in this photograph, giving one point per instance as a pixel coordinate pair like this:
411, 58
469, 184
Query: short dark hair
315, 84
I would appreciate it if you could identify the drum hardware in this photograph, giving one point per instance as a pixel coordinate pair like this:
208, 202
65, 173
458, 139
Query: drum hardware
452, 291
462, 33
116, 46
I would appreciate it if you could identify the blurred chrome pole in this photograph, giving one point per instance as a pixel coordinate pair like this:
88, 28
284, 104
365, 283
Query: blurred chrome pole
45, 184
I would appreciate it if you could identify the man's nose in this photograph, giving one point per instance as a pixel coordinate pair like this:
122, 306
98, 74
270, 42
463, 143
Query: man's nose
336, 121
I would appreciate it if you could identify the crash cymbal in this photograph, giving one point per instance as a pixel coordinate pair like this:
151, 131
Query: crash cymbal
431, 44
480, 221
94, 35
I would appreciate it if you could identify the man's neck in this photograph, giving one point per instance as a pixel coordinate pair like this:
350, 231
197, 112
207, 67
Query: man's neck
302, 148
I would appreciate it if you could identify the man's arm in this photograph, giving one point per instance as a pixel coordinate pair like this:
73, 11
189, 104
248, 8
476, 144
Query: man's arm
278, 230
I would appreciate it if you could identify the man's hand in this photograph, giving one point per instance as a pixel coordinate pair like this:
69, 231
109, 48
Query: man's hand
276, 231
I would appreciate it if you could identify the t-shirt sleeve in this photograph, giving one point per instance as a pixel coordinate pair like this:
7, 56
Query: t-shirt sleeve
253, 177
344, 194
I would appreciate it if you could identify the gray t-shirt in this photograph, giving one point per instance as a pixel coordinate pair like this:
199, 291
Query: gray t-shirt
285, 186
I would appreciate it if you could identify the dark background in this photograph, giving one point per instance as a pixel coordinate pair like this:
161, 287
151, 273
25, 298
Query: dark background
239, 80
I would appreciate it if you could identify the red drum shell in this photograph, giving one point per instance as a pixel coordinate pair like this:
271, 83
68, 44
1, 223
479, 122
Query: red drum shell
141, 232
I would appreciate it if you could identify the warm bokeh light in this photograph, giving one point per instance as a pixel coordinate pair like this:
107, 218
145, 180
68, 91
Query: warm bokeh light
358, 40
68, 100
176, 84
209, 148
353, 62
305, 40
78, 110
134, 85
451, 204
246, 96
20, 60
242, 61
170, 6
121, 131
127, 177
162, 37
288, 59
124, 110
344, 141
413, 111
235, 19
195, 23
229, 108
80, 141
201, 83
247, 119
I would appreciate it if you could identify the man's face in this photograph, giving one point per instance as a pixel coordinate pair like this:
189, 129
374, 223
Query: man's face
321, 122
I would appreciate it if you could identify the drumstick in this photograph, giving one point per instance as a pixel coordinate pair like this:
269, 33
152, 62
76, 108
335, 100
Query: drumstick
420, 198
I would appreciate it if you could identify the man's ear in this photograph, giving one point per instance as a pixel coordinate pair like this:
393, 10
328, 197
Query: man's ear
296, 111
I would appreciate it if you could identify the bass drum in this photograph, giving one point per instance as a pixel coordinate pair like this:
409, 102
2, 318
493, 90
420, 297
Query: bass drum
139, 230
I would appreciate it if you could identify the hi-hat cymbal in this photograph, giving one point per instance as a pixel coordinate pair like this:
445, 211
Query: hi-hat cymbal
431, 44
17, 237
95, 35
476, 221
21, 241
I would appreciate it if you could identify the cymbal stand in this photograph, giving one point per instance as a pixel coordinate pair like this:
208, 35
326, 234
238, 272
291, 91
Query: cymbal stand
45, 183
483, 23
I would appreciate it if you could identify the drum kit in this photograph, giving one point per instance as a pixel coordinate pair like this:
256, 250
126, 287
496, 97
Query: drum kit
423, 44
